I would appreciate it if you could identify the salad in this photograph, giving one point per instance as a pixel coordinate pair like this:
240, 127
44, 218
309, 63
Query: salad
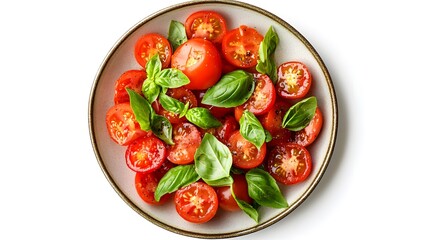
212, 121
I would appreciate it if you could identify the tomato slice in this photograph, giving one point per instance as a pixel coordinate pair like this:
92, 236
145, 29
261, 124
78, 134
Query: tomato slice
150, 44
187, 139
145, 184
289, 163
122, 125
145, 154
307, 135
245, 155
272, 122
224, 132
132, 79
240, 188
197, 202
294, 80
209, 25
240, 46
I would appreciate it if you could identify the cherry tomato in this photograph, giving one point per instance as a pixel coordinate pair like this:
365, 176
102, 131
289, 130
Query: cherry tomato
196, 202
145, 154
145, 184
224, 132
240, 188
216, 111
272, 122
122, 125
182, 94
245, 155
200, 60
187, 139
307, 135
294, 80
150, 44
209, 25
132, 79
289, 163
240, 46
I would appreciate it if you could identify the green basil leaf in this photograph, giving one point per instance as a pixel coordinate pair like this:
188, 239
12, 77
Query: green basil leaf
268, 136
247, 208
202, 118
141, 108
162, 128
232, 90
171, 78
300, 115
266, 62
264, 190
171, 104
150, 90
251, 129
176, 34
184, 110
175, 178
213, 160
153, 66
226, 181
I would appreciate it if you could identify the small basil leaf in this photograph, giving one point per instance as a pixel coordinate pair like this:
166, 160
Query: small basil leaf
171, 104
153, 66
247, 208
227, 181
176, 34
266, 62
232, 90
264, 190
268, 136
171, 78
141, 108
150, 90
213, 160
184, 110
162, 128
300, 115
202, 118
176, 178
251, 129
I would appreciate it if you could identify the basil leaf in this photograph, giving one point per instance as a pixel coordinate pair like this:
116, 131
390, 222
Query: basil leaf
171, 104
247, 208
184, 110
141, 108
268, 136
162, 128
251, 129
150, 90
300, 115
232, 90
213, 160
264, 190
176, 34
153, 66
266, 62
171, 78
202, 118
176, 178
227, 181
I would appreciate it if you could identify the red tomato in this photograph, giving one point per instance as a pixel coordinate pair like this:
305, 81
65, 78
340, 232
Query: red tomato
224, 132
145, 184
240, 188
122, 125
145, 154
240, 46
182, 94
272, 122
196, 202
289, 163
245, 155
198, 59
294, 80
216, 111
307, 135
132, 79
187, 139
150, 44
209, 25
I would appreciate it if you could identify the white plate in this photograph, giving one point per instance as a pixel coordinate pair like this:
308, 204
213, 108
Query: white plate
292, 46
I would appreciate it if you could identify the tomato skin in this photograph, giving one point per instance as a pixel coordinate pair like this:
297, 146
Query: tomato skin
307, 135
200, 61
187, 139
272, 122
289, 163
294, 80
240, 46
122, 125
209, 25
245, 155
132, 79
240, 188
224, 132
145, 185
197, 202
182, 94
145, 154
150, 44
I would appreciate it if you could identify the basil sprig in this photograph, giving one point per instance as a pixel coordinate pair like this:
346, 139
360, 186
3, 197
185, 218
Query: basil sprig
232, 90
176, 34
266, 62
300, 114
251, 129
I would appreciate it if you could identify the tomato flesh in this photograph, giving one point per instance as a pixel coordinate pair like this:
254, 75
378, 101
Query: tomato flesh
145, 154
307, 135
132, 79
294, 80
146, 184
272, 122
245, 155
187, 139
150, 44
209, 25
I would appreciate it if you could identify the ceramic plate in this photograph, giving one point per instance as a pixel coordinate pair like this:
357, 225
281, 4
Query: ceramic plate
292, 46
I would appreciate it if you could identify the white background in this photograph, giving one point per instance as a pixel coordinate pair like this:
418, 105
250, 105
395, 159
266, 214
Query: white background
376, 184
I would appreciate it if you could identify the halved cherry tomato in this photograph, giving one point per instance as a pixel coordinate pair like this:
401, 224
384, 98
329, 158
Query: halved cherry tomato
145, 154
224, 132
272, 122
294, 80
240, 188
145, 184
197, 202
209, 25
245, 155
122, 125
289, 163
216, 111
240, 46
200, 60
187, 139
150, 44
132, 79
307, 135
